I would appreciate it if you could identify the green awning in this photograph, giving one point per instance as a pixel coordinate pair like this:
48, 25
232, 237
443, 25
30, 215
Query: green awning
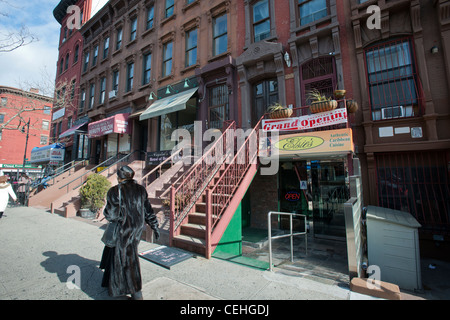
167, 105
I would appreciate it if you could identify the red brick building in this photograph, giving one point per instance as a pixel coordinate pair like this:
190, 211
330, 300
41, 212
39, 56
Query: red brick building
17, 109
67, 126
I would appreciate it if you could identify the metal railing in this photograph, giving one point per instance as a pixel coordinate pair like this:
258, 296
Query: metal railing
290, 234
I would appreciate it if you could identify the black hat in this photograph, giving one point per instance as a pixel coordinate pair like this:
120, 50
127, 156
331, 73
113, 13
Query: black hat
125, 173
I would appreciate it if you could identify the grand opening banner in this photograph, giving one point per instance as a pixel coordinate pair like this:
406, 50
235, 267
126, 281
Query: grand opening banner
316, 120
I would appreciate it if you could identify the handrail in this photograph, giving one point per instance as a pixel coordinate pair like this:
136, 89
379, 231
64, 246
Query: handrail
60, 173
194, 183
217, 200
159, 167
291, 234
97, 166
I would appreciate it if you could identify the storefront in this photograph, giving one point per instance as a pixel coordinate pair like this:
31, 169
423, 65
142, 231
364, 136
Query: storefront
109, 137
313, 178
78, 139
178, 111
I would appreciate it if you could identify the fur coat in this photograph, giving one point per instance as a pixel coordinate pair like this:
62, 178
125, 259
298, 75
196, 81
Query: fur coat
121, 263
6, 191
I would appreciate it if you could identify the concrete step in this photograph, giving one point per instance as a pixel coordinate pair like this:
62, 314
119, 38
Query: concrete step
193, 230
190, 243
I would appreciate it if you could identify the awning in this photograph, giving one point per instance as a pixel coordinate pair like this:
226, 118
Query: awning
114, 124
167, 105
72, 130
53, 152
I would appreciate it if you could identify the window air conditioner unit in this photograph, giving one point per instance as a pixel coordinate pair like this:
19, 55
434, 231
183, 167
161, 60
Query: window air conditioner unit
112, 94
392, 112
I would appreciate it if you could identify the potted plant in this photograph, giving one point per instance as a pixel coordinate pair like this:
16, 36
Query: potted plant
320, 102
339, 93
93, 194
352, 106
277, 111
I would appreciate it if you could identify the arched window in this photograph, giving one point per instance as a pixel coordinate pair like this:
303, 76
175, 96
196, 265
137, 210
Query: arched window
320, 74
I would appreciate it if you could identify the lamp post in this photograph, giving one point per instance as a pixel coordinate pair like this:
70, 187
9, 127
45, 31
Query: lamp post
26, 143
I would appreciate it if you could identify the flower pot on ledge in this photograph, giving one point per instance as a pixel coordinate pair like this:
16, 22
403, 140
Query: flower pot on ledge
281, 113
323, 106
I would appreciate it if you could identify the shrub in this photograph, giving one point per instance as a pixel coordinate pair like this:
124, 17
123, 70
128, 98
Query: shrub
93, 192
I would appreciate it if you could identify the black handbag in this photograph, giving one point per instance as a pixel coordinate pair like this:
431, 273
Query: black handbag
111, 233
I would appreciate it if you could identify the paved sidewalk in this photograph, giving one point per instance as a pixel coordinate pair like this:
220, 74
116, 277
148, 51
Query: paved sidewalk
42, 254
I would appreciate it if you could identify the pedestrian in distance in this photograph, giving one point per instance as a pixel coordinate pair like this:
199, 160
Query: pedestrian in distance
128, 207
5, 192
23, 188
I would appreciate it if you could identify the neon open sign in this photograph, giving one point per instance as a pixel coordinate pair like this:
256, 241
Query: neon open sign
292, 196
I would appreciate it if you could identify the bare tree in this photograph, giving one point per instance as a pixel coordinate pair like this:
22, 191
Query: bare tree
11, 40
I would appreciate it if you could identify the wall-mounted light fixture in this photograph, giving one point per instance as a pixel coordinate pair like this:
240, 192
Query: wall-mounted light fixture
287, 59
187, 83
434, 49
152, 96
169, 87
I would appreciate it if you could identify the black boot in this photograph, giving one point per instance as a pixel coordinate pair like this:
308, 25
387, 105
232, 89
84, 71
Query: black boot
1, 214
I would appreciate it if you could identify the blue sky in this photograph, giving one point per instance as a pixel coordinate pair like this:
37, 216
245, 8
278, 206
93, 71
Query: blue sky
30, 64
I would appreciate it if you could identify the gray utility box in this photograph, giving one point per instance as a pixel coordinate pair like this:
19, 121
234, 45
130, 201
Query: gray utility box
393, 246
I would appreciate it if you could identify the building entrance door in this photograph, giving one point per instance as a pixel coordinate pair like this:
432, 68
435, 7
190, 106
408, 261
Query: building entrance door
329, 188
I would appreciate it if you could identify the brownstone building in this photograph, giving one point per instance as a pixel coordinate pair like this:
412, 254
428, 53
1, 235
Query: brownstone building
400, 74
138, 55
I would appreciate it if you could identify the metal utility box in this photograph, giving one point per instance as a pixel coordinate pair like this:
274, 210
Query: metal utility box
393, 246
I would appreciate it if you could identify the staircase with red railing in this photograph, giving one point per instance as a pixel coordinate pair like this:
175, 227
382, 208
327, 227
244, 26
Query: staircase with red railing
203, 203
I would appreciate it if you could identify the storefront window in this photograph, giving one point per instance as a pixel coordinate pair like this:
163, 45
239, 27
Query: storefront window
218, 106
177, 120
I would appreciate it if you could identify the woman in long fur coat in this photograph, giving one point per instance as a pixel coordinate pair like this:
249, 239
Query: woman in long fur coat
122, 273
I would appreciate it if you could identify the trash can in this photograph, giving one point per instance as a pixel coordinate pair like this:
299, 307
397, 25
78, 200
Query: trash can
393, 246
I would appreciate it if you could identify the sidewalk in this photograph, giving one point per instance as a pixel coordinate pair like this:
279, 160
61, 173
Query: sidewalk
41, 253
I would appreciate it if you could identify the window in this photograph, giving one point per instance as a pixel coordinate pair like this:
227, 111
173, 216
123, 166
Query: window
415, 182
86, 62
191, 48
119, 38
2, 118
72, 90
150, 16
392, 80
220, 40
261, 20
265, 93
61, 66
130, 75
82, 101
170, 6
59, 128
102, 89
167, 59
91, 95
69, 122
4, 101
45, 125
146, 68
94, 58
311, 10
218, 106
66, 64
320, 74
44, 140
47, 109
133, 29
75, 57
105, 47
115, 81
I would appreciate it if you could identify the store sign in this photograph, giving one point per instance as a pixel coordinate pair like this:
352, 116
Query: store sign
155, 158
292, 196
46, 154
312, 121
313, 143
114, 124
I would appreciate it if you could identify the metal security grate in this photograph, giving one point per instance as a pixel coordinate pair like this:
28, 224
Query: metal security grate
416, 182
